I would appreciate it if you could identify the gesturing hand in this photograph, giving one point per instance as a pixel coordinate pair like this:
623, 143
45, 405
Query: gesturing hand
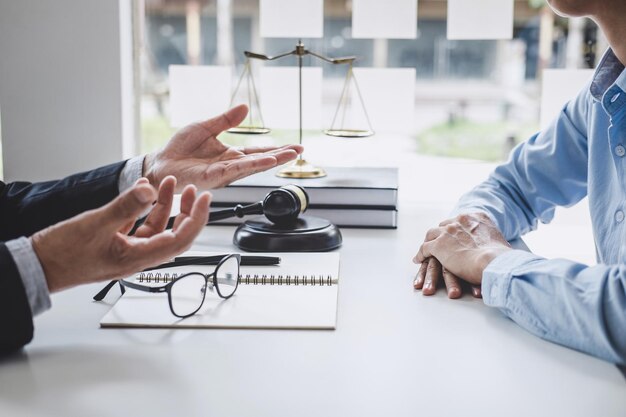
464, 246
94, 245
195, 156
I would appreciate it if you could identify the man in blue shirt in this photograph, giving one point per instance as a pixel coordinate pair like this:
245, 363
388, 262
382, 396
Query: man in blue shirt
582, 153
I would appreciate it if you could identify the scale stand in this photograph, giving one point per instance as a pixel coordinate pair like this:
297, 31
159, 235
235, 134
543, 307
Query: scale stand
301, 168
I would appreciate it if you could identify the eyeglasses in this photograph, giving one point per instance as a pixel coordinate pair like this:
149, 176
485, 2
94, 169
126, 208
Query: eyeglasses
186, 293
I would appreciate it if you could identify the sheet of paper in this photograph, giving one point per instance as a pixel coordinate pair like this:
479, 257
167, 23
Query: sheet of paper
279, 97
389, 97
558, 87
198, 92
291, 18
480, 19
381, 19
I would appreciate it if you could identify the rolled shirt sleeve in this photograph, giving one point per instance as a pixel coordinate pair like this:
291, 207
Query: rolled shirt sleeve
133, 170
572, 304
31, 273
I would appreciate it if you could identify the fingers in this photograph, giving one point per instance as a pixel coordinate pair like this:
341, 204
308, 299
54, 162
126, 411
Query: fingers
231, 118
160, 213
189, 227
260, 162
167, 244
433, 234
187, 199
250, 150
418, 283
428, 277
447, 222
233, 170
127, 206
424, 252
453, 284
285, 156
476, 292
431, 279
282, 154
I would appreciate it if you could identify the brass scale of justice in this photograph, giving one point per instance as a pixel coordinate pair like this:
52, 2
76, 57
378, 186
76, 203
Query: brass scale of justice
298, 233
301, 168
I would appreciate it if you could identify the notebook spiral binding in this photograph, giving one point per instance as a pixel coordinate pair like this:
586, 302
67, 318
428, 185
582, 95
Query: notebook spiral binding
248, 279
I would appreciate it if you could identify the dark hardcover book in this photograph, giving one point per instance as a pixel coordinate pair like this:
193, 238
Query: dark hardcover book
342, 186
343, 216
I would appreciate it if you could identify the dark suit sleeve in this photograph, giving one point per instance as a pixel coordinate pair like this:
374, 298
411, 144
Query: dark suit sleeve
16, 321
26, 208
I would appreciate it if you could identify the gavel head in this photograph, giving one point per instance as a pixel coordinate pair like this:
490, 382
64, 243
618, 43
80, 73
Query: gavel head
283, 205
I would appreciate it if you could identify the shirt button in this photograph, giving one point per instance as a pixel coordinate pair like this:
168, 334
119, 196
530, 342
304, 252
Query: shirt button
619, 216
615, 97
620, 151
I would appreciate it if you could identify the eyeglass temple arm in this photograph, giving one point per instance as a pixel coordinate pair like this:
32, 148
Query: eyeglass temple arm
103, 292
144, 288
197, 260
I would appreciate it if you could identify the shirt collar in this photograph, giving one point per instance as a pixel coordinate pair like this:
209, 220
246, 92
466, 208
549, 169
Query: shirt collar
609, 71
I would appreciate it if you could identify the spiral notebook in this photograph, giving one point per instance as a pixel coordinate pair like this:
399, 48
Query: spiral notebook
300, 293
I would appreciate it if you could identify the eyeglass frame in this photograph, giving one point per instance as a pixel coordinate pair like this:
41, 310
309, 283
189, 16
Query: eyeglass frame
168, 287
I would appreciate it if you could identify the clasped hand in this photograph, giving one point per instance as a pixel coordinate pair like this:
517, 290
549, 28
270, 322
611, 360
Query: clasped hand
458, 250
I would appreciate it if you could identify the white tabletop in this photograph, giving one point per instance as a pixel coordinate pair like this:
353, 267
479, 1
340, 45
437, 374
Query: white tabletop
394, 352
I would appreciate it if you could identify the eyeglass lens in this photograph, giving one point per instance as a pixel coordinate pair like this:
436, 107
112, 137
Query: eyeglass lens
187, 294
227, 275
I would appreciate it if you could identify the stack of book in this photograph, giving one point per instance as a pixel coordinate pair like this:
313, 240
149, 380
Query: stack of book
347, 197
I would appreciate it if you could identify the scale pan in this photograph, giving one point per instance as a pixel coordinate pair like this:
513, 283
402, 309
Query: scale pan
249, 130
349, 133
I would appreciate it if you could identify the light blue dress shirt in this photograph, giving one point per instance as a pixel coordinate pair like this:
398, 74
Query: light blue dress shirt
582, 153
28, 264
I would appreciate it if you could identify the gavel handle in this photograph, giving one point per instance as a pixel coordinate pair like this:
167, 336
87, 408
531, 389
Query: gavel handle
237, 211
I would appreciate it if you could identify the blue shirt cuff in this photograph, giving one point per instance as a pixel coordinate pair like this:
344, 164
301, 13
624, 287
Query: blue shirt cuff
32, 274
132, 171
499, 273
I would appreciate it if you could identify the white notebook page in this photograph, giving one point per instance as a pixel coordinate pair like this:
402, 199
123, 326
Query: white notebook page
252, 306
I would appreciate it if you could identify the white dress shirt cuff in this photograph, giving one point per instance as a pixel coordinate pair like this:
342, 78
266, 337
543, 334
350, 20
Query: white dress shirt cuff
132, 171
32, 275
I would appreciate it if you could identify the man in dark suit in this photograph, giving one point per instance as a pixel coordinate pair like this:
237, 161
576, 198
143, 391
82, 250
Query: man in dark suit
58, 234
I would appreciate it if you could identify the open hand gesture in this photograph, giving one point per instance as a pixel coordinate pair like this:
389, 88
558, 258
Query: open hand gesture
94, 245
195, 156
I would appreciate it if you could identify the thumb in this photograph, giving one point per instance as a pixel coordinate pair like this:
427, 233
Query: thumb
226, 120
128, 206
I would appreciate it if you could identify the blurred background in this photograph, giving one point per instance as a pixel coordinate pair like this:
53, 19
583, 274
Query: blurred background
473, 98
87, 82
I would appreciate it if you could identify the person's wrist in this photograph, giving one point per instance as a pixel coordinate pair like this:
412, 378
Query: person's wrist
51, 264
148, 171
485, 257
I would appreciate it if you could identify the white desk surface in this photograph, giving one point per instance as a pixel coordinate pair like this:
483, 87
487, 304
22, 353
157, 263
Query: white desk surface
394, 353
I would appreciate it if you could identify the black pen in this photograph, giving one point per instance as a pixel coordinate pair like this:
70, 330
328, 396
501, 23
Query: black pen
245, 260
214, 260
